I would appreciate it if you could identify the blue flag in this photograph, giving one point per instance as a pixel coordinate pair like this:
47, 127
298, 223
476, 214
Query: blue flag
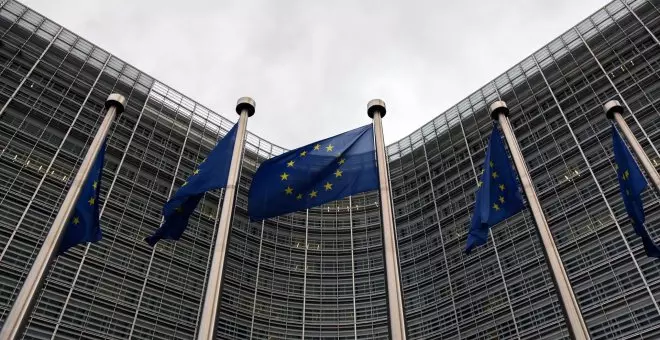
211, 174
83, 223
631, 184
498, 197
315, 174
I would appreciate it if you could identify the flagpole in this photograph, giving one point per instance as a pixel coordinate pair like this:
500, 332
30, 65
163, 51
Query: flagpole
613, 111
22, 307
575, 321
245, 108
376, 111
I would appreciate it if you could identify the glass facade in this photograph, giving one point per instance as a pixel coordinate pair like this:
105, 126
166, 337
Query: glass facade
318, 274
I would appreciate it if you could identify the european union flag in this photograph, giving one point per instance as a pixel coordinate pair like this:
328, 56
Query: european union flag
315, 174
84, 224
632, 183
211, 174
498, 197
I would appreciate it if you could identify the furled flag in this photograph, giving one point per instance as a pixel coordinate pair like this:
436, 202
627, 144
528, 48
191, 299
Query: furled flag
498, 197
211, 174
315, 174
84, 224
631, 184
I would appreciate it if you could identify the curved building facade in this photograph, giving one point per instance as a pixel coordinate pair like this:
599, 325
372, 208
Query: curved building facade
318, 274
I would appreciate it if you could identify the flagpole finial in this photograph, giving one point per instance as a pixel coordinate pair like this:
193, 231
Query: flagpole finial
612, 107
116, 100
245, 103
498, 107
376, 105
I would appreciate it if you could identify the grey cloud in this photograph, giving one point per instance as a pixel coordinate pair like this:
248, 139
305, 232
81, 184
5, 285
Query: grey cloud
312, 66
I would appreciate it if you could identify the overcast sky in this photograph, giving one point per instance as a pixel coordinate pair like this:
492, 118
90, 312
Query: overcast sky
312, 66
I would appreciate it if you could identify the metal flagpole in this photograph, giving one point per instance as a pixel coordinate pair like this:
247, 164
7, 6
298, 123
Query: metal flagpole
245, 108
614, 110
20, 311
500, 112
376, 110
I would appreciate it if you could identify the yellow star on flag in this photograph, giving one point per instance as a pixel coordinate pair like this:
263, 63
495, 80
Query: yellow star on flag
502, 199
338, 173
288, 190
184, 184
95, 184
492, 164
91, 201
313, 193
284, 176
342, 161
76, 220
290, 164
495, 175
317, 147
303, 154
328, 186
502, 187
626, 175
329, 147
496, 207
196, 171
480, 183
299, 197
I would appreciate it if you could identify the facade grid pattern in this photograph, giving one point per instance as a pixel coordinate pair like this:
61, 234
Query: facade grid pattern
319, 274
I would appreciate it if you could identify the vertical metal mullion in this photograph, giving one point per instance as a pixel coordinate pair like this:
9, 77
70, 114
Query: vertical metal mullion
153, 251
169, 195
52, 161
59, 104
205, 195
261, 241
32, 107
45, 88
107, 198
552, 135
62, 143
625, 3
600, 189
623, 100
305, 271
350, 216
490, 232
256, 280
14, 23
442, 241
29, 73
